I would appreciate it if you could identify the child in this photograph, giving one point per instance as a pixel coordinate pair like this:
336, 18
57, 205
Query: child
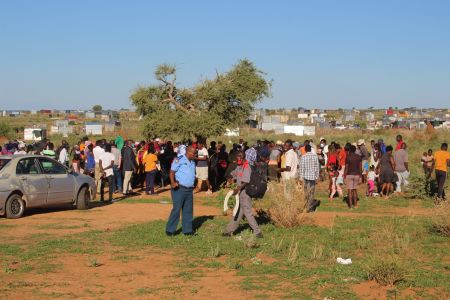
428, 163
334, 187
371, 176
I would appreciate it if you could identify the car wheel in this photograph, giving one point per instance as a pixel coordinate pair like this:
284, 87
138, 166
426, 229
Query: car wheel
15, 207
83, 198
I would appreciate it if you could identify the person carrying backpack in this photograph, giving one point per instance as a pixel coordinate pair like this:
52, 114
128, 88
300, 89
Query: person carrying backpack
242, 175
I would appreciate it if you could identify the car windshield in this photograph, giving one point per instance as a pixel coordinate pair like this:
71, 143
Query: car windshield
3, 162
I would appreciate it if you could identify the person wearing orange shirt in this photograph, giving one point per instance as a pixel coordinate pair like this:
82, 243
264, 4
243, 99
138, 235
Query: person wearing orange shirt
302, 149
150, 161
441, 163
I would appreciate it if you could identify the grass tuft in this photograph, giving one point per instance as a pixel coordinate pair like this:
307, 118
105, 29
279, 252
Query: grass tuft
441, 218
249, 239
287, 205
386, 271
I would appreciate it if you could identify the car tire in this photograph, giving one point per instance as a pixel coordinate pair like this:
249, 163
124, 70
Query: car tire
83, 199
15, 207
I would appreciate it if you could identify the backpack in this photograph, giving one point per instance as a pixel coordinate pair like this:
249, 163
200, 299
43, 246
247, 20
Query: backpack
257, 186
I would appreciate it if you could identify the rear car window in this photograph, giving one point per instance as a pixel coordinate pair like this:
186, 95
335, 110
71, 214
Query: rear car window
3, 162
27, 166
52, 167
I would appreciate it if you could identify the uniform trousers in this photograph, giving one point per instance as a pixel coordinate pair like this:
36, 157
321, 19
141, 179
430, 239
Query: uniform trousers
183, 200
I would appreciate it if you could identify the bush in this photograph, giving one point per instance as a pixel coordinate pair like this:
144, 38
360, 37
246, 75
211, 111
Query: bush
386, 271
419, 187
287, 205
249, 239
5, 130
441, 218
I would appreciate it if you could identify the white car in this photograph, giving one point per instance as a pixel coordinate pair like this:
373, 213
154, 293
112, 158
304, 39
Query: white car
28, 181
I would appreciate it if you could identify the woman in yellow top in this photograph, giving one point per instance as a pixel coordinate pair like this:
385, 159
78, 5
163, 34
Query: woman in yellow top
441, 163
150, 161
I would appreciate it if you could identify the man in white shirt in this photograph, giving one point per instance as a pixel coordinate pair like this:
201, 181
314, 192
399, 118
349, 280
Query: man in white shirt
63, 155
106, 164
98, 151
290, 171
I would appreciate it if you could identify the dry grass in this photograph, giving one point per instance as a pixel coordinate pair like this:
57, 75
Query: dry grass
441, 218
287, 205
386, 271
293, 251
388, 240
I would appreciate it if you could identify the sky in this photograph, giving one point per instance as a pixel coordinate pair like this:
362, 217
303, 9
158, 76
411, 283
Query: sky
319, 54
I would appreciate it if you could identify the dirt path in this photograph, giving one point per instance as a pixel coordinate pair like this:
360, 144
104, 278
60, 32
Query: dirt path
60, 221
146, 274
106, 217
154, 276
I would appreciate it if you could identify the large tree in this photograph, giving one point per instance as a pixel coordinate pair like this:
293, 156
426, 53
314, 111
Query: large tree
204, 110
97, 108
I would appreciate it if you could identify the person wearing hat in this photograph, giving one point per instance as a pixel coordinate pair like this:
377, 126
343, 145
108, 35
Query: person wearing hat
365, 155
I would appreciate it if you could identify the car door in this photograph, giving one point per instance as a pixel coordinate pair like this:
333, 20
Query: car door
32, 182
60, 182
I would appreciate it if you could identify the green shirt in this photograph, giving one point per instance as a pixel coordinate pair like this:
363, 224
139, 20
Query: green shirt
119, 142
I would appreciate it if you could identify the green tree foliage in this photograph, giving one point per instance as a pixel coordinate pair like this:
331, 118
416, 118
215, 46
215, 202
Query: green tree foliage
97, 108
203, 110
5, 129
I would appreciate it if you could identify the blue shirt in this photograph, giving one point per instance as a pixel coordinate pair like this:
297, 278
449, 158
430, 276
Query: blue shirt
184, 171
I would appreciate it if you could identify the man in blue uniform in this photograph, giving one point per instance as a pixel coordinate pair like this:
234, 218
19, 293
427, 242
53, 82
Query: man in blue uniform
182, 178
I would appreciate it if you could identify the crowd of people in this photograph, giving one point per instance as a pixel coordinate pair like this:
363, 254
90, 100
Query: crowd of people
192, 167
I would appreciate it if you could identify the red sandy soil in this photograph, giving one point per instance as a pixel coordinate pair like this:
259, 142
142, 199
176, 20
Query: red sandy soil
155, 275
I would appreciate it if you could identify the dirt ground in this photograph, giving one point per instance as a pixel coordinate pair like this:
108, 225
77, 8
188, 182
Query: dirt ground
155, 275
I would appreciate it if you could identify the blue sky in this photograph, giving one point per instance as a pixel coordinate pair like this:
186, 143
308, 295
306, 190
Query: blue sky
326, 54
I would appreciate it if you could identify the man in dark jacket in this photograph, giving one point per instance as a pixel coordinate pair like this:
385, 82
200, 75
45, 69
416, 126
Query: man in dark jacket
129, 165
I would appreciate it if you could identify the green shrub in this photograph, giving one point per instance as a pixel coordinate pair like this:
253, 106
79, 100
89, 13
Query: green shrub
386, 271
249, 239
5, 129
